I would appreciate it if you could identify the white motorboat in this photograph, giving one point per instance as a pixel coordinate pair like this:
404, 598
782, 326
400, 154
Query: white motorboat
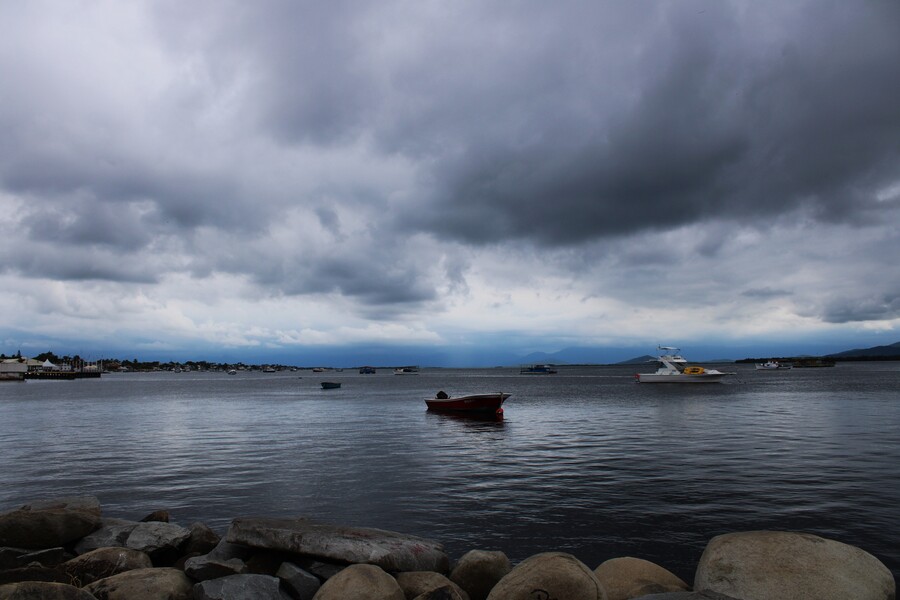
406, 371
773, 365
673, 368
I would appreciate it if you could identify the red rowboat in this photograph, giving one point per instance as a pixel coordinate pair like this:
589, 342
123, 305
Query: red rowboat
482, 403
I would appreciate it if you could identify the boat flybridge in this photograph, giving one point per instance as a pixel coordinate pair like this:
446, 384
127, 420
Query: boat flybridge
673, 368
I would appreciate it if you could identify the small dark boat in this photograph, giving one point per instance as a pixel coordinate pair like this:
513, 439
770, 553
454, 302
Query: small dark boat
479, 403
537, 370
330, 385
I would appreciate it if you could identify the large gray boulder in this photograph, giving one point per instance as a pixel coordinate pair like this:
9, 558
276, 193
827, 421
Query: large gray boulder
104, 562
447, 592
49, 523
687, 596
627, 577
225, 551
299, 583
34, 572
387, 549
11, 558
321, 569
202, 539
361, 582
759, 565
240, 587
416, 583
478, 571
112, 532
159, 540
82, 504
39, 590
144, 584
202, 568
549, 575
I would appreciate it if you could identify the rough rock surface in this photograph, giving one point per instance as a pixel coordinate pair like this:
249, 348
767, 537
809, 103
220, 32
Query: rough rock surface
144, 584
478, 571
157, 539
34, 572
202, 539
104, 562
224, 551
759, 565
361, 582
300, 584
549, 575
387, 549
111, 533
416, 583
447, 592
240, 587
161, 516
83, 504
11, 558
49, 523
629, 577
201, 568
687, 596
39, 590
323, 570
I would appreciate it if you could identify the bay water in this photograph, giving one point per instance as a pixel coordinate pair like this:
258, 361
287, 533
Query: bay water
585, 461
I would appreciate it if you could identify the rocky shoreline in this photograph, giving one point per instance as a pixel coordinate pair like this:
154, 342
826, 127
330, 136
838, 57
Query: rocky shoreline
64, 549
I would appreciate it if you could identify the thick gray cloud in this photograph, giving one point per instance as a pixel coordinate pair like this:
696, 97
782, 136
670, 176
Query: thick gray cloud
565, 123
724, 123
371, 151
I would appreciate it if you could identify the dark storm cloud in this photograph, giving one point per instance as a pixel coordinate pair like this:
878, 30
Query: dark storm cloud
569, 125
370, 277
765, 293
61, 264
728, 116
307, 62
87, 223
569, 122
863, 307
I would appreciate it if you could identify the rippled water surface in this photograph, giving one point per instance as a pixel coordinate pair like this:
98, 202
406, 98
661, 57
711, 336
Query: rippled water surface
585, 461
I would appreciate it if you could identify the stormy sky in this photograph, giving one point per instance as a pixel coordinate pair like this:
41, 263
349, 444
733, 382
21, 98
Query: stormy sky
461, 181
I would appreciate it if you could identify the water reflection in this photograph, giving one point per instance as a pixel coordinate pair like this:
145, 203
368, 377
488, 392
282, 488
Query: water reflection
583, 461
474, 419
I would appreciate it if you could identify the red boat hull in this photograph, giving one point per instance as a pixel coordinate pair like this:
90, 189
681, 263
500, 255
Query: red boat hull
480, 403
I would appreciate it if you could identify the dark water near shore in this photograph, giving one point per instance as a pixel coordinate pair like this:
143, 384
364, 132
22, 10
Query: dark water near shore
585, 461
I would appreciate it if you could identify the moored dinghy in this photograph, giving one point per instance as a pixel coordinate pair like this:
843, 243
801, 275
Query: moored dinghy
474, 403
773, 365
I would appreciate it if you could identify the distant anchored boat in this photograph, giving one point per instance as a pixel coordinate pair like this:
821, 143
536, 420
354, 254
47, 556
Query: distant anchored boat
330, 385
806, 363
406, 371
537, 370
367, 370
475, 403
673, 368
773, 365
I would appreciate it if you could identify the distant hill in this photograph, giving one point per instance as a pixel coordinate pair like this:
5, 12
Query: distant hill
892, 350
542, 358
579, 355
638, 360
